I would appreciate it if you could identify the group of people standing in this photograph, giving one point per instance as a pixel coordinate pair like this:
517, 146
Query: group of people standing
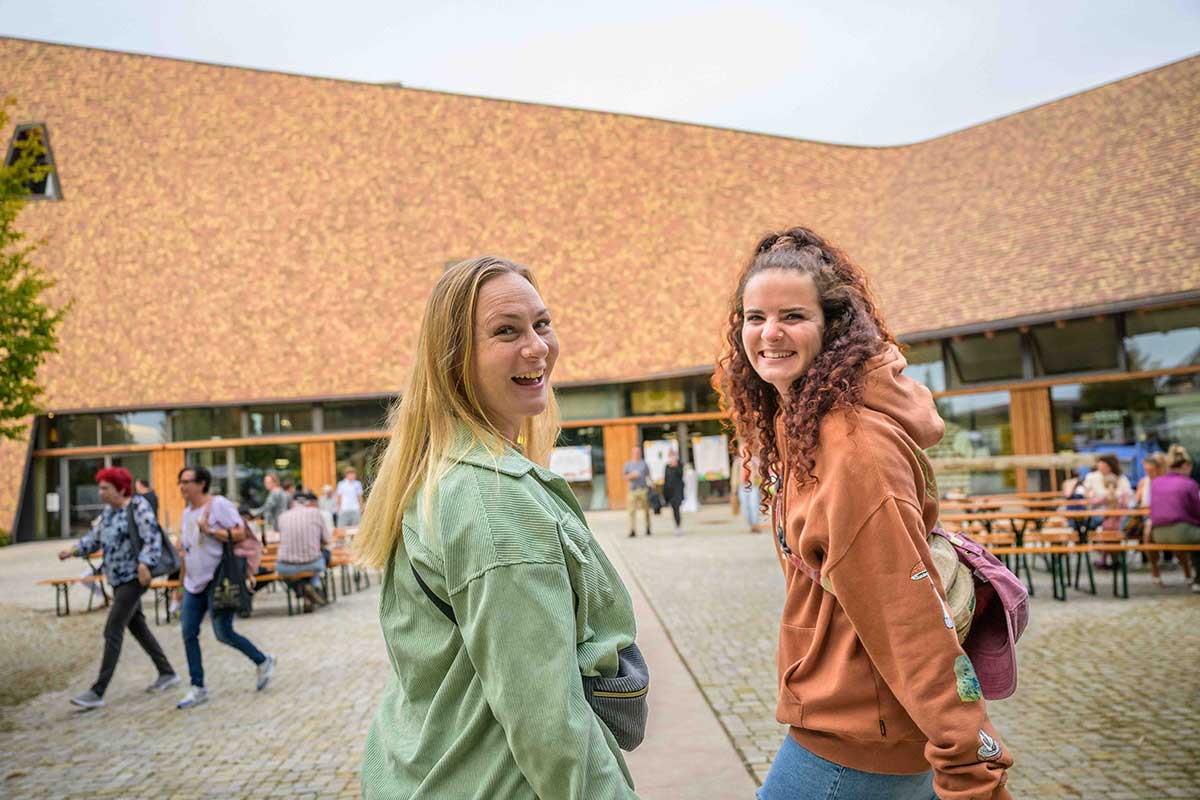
500, 611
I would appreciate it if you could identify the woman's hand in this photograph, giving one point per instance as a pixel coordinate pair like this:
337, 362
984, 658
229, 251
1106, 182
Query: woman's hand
63, 555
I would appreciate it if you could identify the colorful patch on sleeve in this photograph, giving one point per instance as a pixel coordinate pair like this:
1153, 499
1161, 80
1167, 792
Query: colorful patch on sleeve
968, 682
989, 748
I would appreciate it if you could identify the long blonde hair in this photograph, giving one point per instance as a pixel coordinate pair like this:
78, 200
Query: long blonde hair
440, 401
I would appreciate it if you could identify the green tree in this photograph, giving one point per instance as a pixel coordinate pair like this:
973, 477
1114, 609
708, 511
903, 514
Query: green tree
28, 325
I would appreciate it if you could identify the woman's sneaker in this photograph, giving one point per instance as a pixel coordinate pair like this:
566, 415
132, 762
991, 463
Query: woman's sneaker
195, 696
163, 683
265, 670
88, 699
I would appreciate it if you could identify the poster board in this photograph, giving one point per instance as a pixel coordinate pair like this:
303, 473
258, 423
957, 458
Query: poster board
573, 463
656, 452
711, 457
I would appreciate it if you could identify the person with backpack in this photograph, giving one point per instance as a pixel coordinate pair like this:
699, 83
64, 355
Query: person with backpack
881, 699
128, 572
208, 522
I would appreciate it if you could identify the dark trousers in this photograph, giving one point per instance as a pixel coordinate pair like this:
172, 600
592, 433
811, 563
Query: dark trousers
194, 608
126, 612
676, 502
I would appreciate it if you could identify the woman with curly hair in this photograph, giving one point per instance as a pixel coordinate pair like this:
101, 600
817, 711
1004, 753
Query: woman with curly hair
880, 698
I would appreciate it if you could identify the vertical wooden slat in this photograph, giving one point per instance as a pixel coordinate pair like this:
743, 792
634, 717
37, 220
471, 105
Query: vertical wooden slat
164, 473
317, 465
618, 441
1032, 426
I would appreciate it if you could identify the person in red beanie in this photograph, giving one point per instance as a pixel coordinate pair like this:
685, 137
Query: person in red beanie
128, 573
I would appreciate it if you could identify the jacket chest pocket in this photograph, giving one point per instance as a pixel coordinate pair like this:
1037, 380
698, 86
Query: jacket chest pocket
589, 580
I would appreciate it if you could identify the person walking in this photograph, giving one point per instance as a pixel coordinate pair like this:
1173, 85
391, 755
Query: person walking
208, 522
128, 573
637, 477
302, 533
1175, 506
349, 499
673, 488
143, 489
277, 502
880, 699
497, 603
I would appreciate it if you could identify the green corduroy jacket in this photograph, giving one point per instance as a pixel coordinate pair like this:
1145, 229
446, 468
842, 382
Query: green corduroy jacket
493, 706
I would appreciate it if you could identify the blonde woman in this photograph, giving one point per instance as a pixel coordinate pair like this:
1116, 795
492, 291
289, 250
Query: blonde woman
496, 600
1175, 507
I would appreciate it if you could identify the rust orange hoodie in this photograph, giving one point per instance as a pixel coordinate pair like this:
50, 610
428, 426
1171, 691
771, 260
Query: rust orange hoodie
870, 677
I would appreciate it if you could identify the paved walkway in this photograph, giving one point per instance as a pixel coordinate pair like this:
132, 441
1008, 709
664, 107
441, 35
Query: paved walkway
1109, 704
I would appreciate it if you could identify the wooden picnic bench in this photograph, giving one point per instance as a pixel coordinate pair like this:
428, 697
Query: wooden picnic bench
62, 599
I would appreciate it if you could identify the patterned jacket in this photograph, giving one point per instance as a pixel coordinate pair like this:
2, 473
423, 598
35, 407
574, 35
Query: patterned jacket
110, 532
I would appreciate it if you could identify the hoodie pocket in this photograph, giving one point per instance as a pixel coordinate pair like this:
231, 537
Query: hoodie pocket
794, 644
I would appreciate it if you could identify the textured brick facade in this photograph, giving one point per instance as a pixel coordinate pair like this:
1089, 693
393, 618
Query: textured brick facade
230, 234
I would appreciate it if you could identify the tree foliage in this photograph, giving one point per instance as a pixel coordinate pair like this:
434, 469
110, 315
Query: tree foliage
28, 325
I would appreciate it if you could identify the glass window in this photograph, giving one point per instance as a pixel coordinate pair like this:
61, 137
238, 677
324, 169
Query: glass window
1164, 338
593, 494
72, 430
658, 397
252, 463
199, 424
361, 454
134, 427
1078, 345
977, 426
591, 402
357, 415
925, 365
1157, 411
702, 395
978, 359
266, 420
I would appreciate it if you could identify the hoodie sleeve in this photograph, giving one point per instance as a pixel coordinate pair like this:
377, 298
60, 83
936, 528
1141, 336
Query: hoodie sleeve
884, 585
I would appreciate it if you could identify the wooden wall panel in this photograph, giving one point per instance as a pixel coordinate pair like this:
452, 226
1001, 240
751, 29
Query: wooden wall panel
317, 465
1032, 426
164, 476
618, 441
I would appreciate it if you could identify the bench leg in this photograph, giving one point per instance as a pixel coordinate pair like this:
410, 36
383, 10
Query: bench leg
156, 593
1023, 563
288, 592
61, 598
1058, 582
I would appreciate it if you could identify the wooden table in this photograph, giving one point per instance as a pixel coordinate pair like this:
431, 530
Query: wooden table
1021, 520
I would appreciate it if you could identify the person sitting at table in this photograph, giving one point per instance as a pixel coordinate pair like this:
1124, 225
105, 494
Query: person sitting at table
1175, 507
1154, 464
302, 533
1105, 487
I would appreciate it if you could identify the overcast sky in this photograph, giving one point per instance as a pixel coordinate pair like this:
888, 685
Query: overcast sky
847, 71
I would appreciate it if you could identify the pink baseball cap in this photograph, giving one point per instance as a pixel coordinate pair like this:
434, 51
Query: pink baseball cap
1001, 615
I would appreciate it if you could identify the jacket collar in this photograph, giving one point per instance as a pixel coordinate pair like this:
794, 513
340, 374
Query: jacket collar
511, 462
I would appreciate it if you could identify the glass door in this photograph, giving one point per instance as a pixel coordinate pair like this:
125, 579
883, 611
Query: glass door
83, 494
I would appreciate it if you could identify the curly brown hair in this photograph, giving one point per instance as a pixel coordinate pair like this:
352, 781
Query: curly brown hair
854, 332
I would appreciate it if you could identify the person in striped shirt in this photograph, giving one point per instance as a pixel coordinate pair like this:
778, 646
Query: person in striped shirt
302, 533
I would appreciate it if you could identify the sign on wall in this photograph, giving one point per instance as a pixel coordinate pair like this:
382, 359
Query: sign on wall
573, 463
711, 456
656, 452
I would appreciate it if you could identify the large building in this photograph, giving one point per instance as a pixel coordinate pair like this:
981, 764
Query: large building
248, 253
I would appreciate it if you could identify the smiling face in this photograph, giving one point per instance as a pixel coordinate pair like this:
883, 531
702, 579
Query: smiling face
514, 352
783, 325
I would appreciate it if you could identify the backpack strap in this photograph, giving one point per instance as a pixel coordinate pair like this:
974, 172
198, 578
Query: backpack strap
131, 529
441, 604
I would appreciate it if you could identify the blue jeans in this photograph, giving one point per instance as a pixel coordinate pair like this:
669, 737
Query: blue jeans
797, 774
750, 496
317, 568
190, 617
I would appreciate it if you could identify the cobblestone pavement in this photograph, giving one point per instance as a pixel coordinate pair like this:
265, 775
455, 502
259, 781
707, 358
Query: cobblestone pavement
301, 737
1109, 701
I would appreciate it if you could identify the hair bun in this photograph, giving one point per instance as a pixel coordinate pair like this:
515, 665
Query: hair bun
1177, 456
